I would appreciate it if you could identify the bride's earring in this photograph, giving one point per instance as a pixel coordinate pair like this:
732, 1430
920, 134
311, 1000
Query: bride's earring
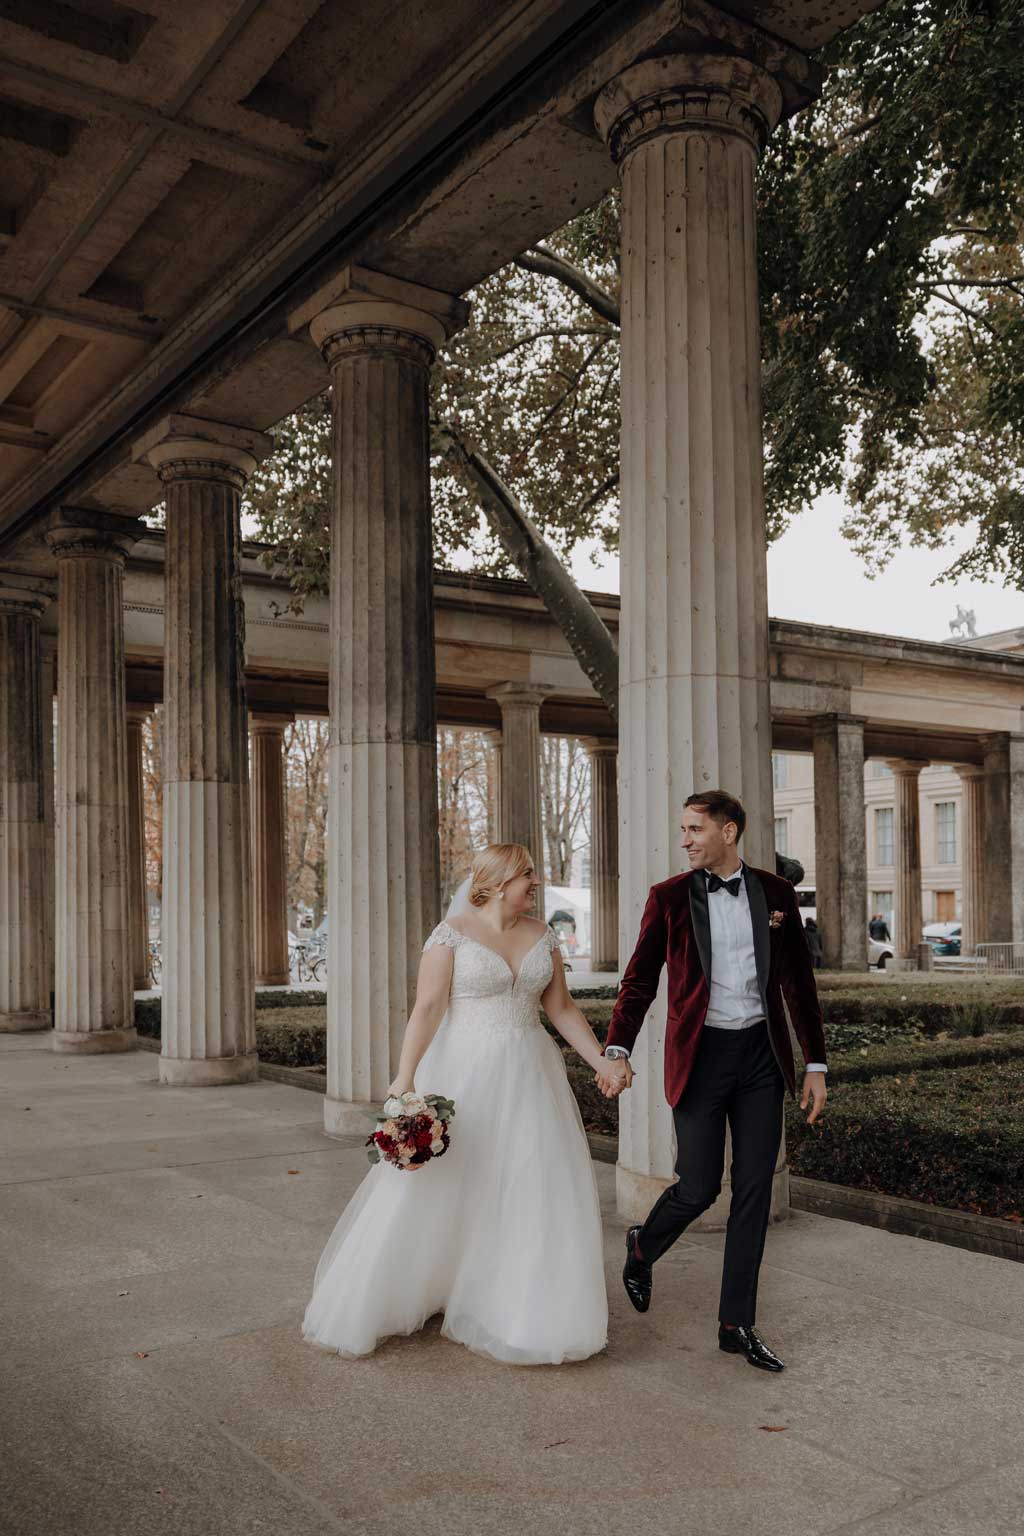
501, 895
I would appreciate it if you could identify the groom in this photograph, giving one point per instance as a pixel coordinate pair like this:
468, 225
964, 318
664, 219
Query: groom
734, 945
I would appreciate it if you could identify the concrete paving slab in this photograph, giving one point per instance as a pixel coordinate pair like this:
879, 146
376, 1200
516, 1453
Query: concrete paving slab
900, 1412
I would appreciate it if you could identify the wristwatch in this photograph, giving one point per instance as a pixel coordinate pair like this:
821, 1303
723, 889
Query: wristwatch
615, 1053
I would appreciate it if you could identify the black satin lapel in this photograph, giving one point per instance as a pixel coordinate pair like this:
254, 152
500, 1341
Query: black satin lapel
759, 923
701, 921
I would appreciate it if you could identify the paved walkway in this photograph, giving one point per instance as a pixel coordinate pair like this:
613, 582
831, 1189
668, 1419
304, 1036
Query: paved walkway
156, 1249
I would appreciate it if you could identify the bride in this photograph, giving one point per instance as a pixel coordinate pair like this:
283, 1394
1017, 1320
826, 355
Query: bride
503, 1233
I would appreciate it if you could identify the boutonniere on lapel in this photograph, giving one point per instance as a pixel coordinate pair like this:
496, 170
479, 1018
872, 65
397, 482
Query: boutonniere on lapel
775, 919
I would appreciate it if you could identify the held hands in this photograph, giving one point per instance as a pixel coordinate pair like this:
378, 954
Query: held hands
613, 1076
814, 1093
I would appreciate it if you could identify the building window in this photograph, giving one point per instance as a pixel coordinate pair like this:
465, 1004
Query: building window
945, 836
780, 774
881, 901
883, 835
782, 835
945, 906
880, 770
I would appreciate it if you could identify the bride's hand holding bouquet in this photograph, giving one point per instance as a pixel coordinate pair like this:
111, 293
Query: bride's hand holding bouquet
412, 1128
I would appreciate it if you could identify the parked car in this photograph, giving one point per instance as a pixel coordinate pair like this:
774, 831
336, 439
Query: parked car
944, 938
806, 899
880, 952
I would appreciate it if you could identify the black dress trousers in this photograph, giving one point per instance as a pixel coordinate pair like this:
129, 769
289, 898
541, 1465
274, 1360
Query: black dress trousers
735, 1079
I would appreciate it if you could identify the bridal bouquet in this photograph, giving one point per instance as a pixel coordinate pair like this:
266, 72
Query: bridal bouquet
411, 1129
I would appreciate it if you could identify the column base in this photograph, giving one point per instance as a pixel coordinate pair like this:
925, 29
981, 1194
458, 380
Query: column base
349, 1117
273, 981
603, 965
21, 1023
208, 1071
94, 1042
142, 983
635, 1193
898, 963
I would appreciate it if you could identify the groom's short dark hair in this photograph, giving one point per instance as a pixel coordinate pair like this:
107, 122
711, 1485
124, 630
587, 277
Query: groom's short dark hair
721, 807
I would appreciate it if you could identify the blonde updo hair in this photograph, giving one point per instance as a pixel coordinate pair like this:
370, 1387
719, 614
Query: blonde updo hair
493, 867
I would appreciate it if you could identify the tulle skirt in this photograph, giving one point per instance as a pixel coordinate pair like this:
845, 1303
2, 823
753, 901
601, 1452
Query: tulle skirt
502, 1234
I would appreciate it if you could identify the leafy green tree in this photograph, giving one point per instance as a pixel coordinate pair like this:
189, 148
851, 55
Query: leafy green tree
891, 219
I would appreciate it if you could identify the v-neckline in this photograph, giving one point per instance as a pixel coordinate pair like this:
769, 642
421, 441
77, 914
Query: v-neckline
497, 955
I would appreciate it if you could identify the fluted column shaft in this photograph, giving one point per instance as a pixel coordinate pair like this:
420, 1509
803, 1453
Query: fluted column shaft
973, 926
269, 854
138, 910
24, 978
686, 133
383, 852
840, 844
94, 1004
1004, 838
604, 855
207, 981
494, 743
521, 818
907, 855
47, 695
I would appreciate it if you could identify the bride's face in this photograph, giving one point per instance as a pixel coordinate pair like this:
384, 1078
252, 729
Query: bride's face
520, 893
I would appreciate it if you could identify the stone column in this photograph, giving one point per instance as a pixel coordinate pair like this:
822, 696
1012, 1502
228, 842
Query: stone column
138, 906
379, 336
522, 819
973, 925
840, 852
24, 978
207, 981
604, 854
1004, 838
494, 742
269, 853
94, 1003
685, 132
47, 694
907, 853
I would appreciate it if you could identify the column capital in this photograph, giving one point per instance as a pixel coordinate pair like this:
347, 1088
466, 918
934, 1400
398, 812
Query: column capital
834, 718
969, 770
687, 92
359, 310
905, 767
508, 695
600, 746
88, 533
192, 448
137, 714
263, 723
25, 594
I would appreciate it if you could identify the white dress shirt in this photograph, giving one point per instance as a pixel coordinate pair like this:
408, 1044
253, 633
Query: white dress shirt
735, 1001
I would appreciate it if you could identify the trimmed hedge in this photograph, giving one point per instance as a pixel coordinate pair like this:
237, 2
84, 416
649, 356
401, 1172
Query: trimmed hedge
952, 1137
922, 1054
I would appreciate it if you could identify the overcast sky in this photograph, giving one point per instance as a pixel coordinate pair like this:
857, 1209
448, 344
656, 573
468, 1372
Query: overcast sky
814, 576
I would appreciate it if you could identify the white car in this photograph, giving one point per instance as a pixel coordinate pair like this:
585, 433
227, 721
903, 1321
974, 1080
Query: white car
880, 952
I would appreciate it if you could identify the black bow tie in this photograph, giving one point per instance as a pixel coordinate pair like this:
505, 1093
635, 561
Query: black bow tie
716, 883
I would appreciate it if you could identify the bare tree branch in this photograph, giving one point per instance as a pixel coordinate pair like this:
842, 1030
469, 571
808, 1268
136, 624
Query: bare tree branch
537, 563
548, 264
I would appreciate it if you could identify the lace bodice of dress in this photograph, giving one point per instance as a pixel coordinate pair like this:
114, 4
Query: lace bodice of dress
484, 993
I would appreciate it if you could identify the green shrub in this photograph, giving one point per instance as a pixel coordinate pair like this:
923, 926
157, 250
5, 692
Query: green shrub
293, 1037
921, 1054
147, 1017
291, 999
952, 1137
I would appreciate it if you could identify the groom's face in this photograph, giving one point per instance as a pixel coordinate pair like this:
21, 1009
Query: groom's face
704, 841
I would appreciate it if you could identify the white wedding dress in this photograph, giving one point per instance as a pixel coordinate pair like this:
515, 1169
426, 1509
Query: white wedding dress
503, 1233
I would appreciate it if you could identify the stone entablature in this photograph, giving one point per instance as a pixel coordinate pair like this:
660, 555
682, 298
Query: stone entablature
918, 697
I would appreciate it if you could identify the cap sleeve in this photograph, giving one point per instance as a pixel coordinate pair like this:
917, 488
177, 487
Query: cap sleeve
552, 938
445, 934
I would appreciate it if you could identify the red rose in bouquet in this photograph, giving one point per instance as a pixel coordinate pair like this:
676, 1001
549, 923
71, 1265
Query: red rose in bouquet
412, 1129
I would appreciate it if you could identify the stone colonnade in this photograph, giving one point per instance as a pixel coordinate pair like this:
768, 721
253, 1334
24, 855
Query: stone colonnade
973, 926
269, 858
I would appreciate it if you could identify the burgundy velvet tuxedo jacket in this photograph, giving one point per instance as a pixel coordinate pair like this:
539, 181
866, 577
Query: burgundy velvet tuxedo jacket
676, 932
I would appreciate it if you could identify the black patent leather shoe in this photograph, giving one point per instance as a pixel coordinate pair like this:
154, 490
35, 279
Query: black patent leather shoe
637, 1276
744, 1341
